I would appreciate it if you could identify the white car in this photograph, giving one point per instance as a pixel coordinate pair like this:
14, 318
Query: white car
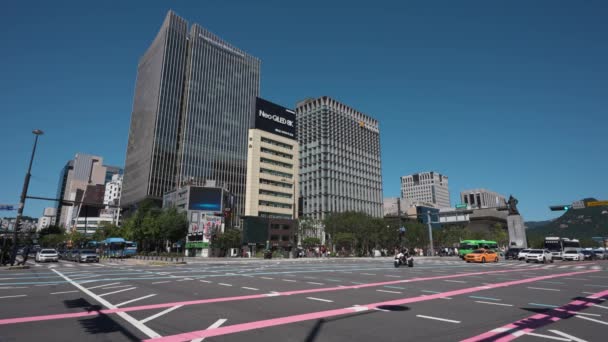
539, 255
47, 255
522, 254
600, 253
573, 255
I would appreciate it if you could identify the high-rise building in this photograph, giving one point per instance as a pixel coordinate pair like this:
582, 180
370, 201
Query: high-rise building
194, 99
340, 167
482, 198
47, 219
430, 187
272, 163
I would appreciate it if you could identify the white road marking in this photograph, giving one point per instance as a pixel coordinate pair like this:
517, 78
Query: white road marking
388, 291
149, 332
289, 280
266, 278
13, 296
212, 326
521, 333
482, 302
12, 287
600, 306
592, 320
224, 284
205, 281
585, 314
313, 283
455, 281
438, 319
64, 292
160, 314
117, 291
367, 274
542, 288
250, 288
135, 300
320, 299
162, 282
393, 276
94, 287
115, 287
572, 338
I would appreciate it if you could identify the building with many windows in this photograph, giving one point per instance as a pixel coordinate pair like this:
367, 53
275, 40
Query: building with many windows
272, 163
482, 198
340, 167
429, 187
192, 109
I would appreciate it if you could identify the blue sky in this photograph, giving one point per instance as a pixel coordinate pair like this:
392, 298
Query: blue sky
505, 95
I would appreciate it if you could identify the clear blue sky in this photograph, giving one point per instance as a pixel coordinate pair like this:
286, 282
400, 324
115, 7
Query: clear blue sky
506, 95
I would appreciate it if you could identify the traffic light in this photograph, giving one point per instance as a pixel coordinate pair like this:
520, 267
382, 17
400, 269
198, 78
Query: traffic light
560, 207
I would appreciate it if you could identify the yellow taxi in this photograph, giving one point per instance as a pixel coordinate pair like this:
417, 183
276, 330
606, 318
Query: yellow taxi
481, 255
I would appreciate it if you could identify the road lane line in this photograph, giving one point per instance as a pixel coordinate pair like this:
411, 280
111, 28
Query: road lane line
250, 288
147, 319
13, 296
542, 288
117, 291
544, 305
600, 306
455, 281
526, 325
94, 287
211, 327
438, 319
62, 292
313, 283
144, 329
205, 281
26, 319
115, 287
486, 298
289, 280
320, 299
388, 291
592, 320
162, 282
546, 336
570, 337
502, 304
266, 278
223, 284
392, 276
135, 300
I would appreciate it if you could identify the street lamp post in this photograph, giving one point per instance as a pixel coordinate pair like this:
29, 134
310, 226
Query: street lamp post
26, 184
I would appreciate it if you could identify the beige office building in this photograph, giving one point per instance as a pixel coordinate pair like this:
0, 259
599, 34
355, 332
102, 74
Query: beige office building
272, 164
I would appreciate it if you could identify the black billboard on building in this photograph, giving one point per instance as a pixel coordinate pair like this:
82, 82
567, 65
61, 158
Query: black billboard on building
205, 199
275, 119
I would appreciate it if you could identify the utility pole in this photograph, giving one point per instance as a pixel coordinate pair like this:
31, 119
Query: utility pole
428, 222
26, 184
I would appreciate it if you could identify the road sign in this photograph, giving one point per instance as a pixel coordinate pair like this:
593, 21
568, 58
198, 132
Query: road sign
597, 203
578, 205
7, 207
461, 206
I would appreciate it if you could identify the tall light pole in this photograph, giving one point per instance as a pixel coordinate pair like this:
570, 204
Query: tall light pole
26, 184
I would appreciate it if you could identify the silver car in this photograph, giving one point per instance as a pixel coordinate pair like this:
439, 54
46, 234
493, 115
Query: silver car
573, 255
523, 253
47, 255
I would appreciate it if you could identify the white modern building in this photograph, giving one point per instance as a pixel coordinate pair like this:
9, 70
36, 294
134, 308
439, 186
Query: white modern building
111, 197
47, 219
482, 198
429, 187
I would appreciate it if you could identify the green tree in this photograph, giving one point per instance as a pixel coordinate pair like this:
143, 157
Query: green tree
309, 242
173, 225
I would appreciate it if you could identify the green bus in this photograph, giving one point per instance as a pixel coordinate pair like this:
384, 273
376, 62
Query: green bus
468, 246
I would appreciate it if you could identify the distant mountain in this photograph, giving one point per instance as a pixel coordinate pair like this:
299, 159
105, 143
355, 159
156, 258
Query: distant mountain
581, 224
536, 224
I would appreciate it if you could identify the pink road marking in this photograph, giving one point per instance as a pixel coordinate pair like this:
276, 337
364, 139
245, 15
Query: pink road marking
229, 299
513, 330
236, 328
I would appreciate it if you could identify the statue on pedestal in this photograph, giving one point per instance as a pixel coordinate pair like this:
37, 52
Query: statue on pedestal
512, 205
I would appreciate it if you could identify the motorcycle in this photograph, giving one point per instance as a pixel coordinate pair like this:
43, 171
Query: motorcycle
402, 259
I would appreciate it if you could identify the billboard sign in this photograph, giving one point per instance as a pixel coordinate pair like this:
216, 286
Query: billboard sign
275, 119
205, 199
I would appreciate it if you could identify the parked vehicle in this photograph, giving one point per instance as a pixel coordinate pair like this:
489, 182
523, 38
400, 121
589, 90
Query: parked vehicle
522, 254
600, 253
87, 255
539, 255
512, 253
482, 255
72, 255
47, 255
573, 255
589, 255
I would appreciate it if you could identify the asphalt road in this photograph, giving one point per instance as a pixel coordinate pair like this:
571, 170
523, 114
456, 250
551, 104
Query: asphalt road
440, 299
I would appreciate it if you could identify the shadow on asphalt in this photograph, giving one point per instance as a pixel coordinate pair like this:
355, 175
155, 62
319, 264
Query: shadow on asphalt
102, 324
314, 332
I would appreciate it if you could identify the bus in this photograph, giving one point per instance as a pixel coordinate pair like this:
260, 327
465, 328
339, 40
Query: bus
557, 245
117, 247
468, 246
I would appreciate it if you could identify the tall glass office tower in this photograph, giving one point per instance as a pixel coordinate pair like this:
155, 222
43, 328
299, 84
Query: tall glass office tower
194, 103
